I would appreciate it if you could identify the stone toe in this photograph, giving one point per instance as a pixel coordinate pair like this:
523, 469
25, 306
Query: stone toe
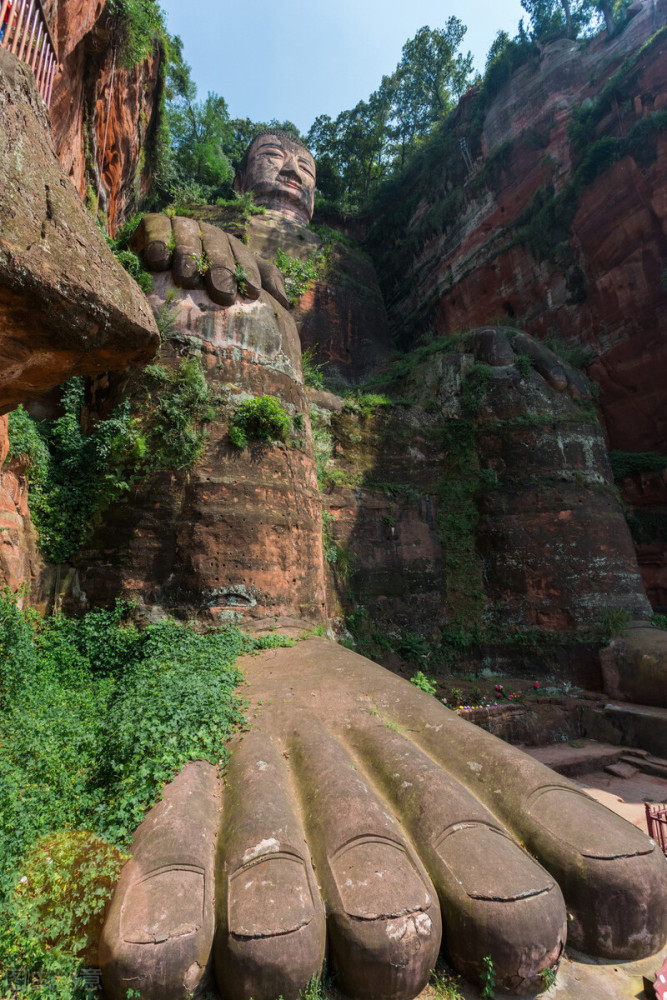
384, 922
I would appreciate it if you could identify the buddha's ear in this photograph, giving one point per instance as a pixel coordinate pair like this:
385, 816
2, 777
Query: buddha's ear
238, 182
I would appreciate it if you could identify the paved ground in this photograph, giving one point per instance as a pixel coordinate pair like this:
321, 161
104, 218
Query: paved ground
584, 761
579, 978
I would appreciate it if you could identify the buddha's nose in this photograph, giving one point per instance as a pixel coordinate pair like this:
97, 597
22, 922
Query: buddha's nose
291, 168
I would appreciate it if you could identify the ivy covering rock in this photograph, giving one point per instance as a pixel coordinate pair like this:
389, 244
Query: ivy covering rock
95, 715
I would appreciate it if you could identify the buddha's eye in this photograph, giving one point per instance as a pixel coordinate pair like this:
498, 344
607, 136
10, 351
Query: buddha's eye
275, 154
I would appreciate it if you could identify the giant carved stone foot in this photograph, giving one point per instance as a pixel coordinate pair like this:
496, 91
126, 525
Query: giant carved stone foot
361, 819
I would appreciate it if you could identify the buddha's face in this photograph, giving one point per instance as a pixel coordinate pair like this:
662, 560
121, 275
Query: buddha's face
281, 174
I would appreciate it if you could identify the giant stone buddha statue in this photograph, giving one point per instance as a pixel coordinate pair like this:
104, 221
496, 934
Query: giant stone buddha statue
359, 819
280, 172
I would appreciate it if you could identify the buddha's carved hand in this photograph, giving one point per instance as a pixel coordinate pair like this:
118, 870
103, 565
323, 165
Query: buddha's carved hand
201, 255
358, 810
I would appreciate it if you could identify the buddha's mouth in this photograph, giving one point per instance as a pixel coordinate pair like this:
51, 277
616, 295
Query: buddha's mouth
287, 182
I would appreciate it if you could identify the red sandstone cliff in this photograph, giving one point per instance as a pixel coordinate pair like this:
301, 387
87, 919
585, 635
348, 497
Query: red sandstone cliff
93, 89
588, 269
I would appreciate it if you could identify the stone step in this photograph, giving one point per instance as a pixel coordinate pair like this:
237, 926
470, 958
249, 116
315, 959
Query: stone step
577, 757
621, 770
651, 765
632, 726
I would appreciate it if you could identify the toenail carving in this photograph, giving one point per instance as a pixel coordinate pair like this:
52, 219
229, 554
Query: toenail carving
466, 848
570, 816
165, 904
415, 824
377, 880
270, 896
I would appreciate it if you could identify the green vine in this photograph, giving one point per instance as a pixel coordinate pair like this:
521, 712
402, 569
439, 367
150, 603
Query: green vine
95, 715
74, 475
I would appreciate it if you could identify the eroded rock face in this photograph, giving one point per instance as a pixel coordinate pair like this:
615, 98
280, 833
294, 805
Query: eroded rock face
20, 562
619, 232
239, 536
121, 168
342, 318
66, 306
589, 273
488, 502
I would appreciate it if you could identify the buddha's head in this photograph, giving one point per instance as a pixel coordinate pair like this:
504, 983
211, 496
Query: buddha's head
281, 174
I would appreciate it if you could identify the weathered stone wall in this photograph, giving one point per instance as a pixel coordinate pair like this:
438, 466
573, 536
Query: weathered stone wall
240, 535
483, 513
94, 92
343, 317
591, 270
66, 306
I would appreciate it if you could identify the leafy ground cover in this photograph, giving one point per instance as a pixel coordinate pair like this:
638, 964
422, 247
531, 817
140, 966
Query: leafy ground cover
95, 715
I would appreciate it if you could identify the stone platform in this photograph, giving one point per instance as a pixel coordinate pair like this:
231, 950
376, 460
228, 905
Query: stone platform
579, 978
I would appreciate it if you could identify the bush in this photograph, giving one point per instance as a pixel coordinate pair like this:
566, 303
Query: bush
613, 622
175, 439
366, 403
134, 267
421, 681
95, 715
524, 365
136, 25
59, 899
313, 374
630, 463
259, 419
414, 647
299, 275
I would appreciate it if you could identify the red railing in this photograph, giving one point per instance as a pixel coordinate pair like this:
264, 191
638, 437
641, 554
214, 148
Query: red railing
656, 821
25, 33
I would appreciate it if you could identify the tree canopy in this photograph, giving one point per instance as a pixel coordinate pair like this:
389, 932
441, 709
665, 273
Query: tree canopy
572, 17
362, 145
371, 141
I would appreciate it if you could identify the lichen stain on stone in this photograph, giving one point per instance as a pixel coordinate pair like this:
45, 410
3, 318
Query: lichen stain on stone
269, 846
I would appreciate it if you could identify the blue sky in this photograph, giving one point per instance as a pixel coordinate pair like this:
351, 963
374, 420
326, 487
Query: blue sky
300, 59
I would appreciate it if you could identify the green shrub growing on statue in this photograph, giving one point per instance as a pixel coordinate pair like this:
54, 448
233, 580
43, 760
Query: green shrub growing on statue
313, 371
74, 475
259, 419
300, 275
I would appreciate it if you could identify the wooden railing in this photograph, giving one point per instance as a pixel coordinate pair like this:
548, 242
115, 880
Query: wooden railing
656, 821
27, 35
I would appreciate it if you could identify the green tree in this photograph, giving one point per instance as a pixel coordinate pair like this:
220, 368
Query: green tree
135, 27
365, 144
353, 148
200, 133
430, 76
573, 17
505, 56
